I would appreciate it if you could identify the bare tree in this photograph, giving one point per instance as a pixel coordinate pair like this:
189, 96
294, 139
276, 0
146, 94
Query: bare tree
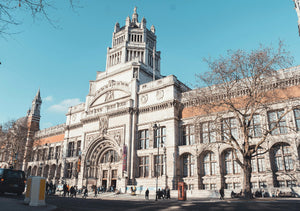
10, 12
243, 84
13, 138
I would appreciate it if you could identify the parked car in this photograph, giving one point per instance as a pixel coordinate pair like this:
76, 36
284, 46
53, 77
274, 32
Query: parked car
12, 181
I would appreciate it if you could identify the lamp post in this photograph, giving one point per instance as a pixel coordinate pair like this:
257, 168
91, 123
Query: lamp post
155, 128
87, 166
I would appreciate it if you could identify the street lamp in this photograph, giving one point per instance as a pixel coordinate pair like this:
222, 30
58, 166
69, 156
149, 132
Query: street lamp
87, 166
155, 128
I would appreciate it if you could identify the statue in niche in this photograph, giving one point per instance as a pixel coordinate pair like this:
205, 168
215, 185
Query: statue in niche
117, 137
109, 96
103, 125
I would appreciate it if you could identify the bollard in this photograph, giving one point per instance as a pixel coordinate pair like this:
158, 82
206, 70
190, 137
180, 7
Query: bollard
28, 191
35, 192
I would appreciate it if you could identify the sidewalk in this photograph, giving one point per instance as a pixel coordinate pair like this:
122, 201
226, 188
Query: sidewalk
13, 204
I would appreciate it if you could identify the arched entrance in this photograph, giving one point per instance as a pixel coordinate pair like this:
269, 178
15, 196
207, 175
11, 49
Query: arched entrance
103, 165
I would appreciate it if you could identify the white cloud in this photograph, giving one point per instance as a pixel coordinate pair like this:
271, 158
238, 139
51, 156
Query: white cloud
63, 106
48, 99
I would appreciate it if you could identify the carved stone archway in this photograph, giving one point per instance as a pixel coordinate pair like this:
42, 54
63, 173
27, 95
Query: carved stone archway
104, 159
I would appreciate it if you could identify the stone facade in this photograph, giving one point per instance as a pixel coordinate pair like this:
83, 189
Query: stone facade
140, 128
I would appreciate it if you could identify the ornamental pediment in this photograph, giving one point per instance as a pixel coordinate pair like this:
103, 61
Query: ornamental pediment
109, 92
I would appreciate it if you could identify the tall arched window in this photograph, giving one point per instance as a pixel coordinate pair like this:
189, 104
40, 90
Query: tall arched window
209, 164
188, 163
283, 158
231, 166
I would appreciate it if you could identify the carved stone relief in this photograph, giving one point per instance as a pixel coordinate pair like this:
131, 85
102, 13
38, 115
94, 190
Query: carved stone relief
103, 125
109, 96
144, 99
159, 94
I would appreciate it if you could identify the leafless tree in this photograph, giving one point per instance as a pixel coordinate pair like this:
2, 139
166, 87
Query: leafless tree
10, 11
13, 138
242, 84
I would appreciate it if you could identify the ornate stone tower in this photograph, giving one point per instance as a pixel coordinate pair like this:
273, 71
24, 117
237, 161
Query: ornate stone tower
134, 43
297, 8
33, 124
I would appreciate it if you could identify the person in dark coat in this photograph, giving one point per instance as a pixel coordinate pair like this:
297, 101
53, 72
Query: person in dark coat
147, 194
221, 191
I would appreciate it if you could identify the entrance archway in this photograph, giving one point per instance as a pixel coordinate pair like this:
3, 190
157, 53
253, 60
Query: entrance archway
104, 163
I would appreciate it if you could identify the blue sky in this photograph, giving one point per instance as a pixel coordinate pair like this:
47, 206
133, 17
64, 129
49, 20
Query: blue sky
61, 61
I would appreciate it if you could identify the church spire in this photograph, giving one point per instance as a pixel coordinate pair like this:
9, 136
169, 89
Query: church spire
36, 105
134, 16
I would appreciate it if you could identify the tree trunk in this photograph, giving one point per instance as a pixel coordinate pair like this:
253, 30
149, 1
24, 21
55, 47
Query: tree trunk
247, 178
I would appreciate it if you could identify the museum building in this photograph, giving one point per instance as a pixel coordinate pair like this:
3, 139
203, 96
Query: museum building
138, 128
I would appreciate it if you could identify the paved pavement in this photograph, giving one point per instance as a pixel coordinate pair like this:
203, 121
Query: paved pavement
13, 203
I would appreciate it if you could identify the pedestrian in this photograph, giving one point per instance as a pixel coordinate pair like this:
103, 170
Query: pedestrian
168, 193
85, 193
47, 187
50, 188
65, 189
147, 194
221, 191
95, 191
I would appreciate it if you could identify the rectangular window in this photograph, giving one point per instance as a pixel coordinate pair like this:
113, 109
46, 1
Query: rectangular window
208, 132
213, 186
237, 185
291, 183
188, 135
105, 174
255, 126
57, 152
114, 174
144, 166
69, 170
263, 184
143, 142
297, 118
261, 164
277, 122
229, 186
71, 149
159, 165
206, 186
51, 153
254, 185
281, 184
78, 148
229, 128
160, 137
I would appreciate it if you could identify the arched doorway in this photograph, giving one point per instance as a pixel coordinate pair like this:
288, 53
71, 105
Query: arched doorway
103, 165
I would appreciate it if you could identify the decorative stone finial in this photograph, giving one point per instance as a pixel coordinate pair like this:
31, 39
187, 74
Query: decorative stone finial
134, 16
127, 22
143, 25
152, 29
117, 27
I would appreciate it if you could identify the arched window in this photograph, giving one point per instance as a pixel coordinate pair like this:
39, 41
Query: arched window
209, 164
188, 164
283, 158
231, 166
110, 156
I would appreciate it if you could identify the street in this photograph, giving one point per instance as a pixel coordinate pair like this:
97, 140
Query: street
128, 202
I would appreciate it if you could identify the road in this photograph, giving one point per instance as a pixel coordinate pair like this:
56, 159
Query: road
131, 203
127, 202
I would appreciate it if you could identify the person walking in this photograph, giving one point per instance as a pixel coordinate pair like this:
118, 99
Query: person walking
95, 191
221, 191
85, 193
147, 194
